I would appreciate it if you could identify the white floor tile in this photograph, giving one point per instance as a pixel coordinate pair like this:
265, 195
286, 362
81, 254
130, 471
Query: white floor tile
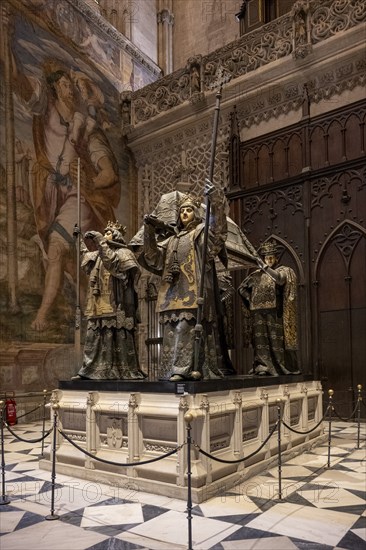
17, 446
149, 543
360, 533
340, 478
172, 528
228, 505
22, 489
43, 536
9, 521
291, 471
303, 522
15, 458
265, 543
357, 466
265, 487
112, 515
331, 497
70, 498
32, 465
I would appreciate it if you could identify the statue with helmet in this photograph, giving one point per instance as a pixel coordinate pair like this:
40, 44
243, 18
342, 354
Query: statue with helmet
178, 261
269, 294
111, 306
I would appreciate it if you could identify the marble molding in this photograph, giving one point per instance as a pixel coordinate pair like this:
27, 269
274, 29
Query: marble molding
132, 427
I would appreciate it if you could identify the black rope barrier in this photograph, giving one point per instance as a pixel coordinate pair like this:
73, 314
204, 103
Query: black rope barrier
349, 417
239, 459
142, 463
27, 440
30, 412
307, 431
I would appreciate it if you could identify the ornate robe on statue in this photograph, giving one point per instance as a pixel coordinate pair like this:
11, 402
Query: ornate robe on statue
273, 310
177, 300
111, 309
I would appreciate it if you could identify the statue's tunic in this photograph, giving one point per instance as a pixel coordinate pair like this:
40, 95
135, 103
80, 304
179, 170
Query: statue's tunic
273, 310
111, 310
177, 299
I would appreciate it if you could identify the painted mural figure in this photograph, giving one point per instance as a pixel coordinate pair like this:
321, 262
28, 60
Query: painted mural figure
270, 294
62, 135
111, 308
178, 259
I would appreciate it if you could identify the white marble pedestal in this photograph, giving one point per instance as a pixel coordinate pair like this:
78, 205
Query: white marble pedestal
232, 418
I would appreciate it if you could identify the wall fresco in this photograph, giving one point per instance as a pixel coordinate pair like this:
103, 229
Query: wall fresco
60, 142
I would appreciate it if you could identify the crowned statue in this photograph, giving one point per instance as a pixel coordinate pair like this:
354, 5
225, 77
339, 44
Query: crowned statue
270, 295
178, 260
111, 307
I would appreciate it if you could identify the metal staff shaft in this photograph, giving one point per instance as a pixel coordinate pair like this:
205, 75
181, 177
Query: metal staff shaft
78, 310
200, 301
3, 499
52, 515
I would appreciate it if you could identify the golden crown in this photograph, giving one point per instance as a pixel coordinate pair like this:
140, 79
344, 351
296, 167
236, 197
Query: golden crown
269, 248
189, 200
116, 225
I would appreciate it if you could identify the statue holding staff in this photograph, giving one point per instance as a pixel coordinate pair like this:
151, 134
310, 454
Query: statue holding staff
178, 260
270, 295
111, 308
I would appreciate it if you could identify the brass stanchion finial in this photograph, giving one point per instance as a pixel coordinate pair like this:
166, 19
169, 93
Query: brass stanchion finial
330, 393
188, 417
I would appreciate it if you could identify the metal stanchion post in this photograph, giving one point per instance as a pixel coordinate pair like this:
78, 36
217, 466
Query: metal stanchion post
4, 498
188, 417
330, 393
359, 399
52, 516
279, 449
43, 420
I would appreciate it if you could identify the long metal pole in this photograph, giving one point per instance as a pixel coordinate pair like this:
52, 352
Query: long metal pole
43, 420
359, 399
188, 417
4, 498
78, 310
53, 516
330, 393
279, 421
200, 301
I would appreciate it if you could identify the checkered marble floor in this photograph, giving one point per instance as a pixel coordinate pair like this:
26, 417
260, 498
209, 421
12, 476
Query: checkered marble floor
321, 508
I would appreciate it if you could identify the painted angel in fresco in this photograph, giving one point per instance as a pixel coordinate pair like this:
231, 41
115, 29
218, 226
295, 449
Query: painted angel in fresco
62, 135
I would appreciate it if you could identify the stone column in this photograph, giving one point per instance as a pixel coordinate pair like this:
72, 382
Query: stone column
165, 20
238, 427
182, 437
92, 441
265, 422
134, 447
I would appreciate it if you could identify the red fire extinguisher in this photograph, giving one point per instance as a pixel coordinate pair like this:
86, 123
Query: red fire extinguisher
11, 411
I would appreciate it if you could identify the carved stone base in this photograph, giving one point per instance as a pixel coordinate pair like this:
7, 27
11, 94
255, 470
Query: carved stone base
230, 423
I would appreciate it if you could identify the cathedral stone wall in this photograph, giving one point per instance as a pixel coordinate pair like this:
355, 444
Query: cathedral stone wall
202, 26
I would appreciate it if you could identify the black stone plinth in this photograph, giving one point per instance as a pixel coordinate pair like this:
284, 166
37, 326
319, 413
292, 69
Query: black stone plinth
188, 386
